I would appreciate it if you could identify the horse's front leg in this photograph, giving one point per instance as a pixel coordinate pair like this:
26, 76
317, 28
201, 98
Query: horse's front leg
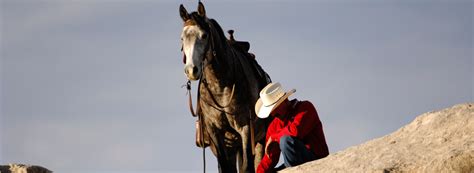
247, 162
259, 151
225, 157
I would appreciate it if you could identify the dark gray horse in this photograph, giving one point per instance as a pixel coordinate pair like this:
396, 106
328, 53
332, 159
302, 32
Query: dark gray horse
229, 83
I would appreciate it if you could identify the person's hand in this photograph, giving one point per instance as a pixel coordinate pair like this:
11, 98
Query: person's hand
269, 142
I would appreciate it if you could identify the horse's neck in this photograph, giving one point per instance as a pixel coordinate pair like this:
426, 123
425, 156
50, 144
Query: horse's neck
223, 64
220, 73
221, 70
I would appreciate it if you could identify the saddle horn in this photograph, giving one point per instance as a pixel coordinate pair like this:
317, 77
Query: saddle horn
231, 35
245, 46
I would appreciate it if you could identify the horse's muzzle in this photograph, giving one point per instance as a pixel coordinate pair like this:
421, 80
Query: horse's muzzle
192, 72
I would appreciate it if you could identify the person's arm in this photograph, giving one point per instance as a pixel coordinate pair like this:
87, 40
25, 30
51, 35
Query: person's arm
271, 130
303, 122
269, 161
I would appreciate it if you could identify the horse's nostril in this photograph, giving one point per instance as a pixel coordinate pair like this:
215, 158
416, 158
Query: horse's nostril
195, 69
186, 71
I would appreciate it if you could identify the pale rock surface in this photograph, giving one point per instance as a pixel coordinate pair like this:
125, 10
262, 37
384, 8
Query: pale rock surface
21, 168
440, 141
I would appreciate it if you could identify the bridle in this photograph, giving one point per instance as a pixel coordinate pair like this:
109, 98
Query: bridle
209, 49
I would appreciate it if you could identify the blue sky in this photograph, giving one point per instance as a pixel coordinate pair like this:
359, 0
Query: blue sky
95, 85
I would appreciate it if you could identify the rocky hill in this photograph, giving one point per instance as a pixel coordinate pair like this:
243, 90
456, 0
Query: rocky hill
21, 168
441, 141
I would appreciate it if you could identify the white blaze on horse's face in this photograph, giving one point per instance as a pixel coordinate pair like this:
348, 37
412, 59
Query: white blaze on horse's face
194, 41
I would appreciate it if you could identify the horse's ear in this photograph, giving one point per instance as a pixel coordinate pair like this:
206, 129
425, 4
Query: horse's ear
183, 13
201, 10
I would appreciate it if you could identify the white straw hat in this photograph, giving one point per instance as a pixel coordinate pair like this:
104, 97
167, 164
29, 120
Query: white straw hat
270, 97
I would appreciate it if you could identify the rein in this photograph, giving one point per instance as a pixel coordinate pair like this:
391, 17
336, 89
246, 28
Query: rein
190, 100
200, 119
198, 107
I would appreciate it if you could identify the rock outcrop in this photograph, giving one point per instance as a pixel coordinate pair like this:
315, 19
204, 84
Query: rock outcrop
21, 168
441, 141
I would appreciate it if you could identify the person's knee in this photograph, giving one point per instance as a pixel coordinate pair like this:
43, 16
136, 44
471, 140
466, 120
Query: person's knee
286, 143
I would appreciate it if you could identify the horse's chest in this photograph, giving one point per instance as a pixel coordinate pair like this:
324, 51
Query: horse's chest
221, 119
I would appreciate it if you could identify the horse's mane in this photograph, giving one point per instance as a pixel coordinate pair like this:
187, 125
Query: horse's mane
223, 47
219, 31
213, 27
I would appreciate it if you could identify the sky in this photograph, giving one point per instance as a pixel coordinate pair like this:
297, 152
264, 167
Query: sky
95, 85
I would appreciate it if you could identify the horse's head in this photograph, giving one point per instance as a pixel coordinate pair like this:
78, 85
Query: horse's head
195, 40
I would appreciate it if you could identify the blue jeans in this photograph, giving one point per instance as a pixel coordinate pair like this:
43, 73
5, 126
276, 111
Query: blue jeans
294, 152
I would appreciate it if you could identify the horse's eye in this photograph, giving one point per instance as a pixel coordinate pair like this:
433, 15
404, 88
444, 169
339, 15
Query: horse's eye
204, 35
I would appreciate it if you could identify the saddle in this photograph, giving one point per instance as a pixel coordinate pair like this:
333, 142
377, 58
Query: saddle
244, 47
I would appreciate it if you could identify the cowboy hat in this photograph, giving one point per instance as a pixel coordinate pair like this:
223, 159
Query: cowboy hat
270, 97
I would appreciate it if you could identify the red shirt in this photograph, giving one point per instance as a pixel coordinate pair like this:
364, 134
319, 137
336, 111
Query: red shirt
303, 123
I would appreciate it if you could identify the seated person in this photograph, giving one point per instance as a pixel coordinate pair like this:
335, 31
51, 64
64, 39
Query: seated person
295, 131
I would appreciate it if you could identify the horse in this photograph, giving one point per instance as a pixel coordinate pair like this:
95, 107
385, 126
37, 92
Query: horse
230, 80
